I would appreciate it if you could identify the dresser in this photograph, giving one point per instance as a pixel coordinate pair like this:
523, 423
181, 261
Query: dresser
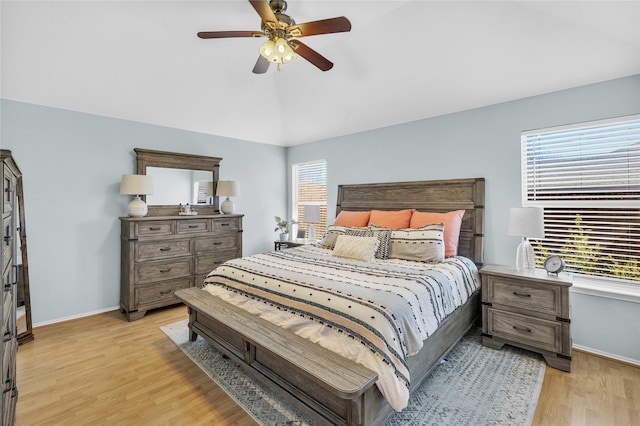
528, 310
163, 254
9, 345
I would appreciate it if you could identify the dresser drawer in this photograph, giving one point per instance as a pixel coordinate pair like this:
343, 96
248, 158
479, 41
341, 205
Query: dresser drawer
155, 228
161, 294
214, 244
206, 264
540, 298
149, 250
535, 332
226, 224
7, 246
8, 317
193, 226
163, 270
9, 364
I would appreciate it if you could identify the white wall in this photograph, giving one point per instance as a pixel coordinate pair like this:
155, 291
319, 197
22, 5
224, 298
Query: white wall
485, 142
72, 164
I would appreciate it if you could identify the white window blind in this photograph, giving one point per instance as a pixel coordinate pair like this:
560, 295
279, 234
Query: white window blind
587, 179
310, 188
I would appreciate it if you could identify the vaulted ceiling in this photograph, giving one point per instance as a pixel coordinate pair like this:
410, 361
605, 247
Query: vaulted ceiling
403, 60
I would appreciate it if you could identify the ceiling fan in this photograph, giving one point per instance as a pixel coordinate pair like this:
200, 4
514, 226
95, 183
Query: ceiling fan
282, 32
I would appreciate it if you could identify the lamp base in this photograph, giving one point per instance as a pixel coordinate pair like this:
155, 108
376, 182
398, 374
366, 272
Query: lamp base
311, 233
525, 260
227, 206
137, 207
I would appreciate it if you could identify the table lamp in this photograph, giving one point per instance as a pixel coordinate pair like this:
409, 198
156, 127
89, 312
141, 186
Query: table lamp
227, 188
311, 216
136, 185
526, 222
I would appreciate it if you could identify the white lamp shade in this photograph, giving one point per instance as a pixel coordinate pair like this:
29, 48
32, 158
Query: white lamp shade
228, 188
526, 222
136, 185
311, 214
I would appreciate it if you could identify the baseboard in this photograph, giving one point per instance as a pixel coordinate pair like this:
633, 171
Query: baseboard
618, 358
86, 314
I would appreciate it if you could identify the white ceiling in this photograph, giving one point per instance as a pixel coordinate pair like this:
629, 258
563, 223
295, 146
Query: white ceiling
402, 61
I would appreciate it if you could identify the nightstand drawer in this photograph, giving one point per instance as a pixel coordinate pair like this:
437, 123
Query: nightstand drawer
535, 297
150, 250
523, 329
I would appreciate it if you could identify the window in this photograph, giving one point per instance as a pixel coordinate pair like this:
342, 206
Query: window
310, 188
587, 179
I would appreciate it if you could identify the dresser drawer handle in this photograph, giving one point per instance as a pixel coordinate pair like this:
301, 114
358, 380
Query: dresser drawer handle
515, 293
217, 243
224, 224
165, 270
165, 249
193, 226
164, 293
525, 329
154, 228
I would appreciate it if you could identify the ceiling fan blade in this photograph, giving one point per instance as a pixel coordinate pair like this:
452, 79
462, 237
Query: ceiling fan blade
324, 26
261, 66
226, 34
311, 55
266, 14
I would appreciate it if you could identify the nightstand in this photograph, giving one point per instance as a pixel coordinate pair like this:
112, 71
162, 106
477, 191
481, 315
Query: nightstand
278, 245
528, 310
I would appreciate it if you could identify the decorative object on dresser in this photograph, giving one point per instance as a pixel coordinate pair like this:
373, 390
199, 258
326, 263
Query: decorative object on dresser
166, 253
136, 185
529, 310
311, 216
228, 188
15, 309
526, 222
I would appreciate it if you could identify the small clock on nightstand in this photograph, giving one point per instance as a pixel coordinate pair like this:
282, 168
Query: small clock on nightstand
554, 264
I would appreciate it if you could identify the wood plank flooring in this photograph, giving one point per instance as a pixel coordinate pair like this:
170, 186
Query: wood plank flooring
103, 370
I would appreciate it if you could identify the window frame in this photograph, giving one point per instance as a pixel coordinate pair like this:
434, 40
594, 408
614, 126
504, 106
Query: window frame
295, 203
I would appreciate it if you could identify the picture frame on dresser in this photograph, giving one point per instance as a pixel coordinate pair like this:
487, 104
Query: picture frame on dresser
165, 251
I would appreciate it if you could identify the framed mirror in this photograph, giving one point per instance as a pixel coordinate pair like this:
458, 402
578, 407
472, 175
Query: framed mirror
23, 295
179, 179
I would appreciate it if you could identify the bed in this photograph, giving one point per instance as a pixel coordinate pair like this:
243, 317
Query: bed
245, 321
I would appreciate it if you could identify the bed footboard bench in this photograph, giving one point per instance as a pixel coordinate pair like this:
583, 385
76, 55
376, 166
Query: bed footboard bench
325, 385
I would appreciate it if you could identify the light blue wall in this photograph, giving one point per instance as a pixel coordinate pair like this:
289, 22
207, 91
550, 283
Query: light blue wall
72, 164
485, 142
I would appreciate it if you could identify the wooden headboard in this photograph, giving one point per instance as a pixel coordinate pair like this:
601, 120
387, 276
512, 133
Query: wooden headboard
428, 195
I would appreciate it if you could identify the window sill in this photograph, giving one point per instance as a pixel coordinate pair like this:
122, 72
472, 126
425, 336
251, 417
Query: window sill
606, 288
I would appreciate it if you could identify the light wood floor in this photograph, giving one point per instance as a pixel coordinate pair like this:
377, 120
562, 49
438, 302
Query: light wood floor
103, 370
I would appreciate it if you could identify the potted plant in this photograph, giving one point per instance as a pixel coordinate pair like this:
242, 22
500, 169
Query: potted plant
283, 226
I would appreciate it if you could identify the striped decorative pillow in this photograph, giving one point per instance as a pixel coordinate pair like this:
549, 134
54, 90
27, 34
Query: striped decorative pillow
424, 244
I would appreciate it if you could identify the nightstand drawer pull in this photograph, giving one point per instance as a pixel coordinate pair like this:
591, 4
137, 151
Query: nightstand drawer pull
515, 293
165, 270
164, 293
165, 248
528, 330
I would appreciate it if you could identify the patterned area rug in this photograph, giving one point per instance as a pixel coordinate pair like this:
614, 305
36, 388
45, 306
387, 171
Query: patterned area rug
474, 385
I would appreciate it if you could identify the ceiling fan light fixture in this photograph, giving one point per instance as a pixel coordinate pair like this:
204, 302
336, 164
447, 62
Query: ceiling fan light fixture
268, 50
277, 50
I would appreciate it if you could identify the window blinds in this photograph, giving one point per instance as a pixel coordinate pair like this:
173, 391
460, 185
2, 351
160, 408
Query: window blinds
587, 179
310, 188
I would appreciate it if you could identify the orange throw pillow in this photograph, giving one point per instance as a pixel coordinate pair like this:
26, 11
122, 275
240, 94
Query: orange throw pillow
397, 219
452, 222
352, 219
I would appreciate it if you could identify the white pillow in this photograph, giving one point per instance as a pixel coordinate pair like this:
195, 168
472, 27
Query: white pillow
359, 248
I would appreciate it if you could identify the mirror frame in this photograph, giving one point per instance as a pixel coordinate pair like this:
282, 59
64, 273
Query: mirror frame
175, 160
27, 335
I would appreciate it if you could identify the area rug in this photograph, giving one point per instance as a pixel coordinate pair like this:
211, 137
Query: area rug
473, 385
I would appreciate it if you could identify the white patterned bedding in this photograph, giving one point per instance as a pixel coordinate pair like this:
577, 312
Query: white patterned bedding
387, 307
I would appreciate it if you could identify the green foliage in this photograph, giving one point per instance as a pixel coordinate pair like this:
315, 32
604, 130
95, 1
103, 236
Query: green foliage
580, 255
283, 226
